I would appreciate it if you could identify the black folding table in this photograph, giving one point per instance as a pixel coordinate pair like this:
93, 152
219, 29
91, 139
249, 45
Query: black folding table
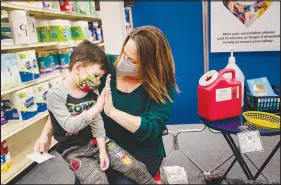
232, 126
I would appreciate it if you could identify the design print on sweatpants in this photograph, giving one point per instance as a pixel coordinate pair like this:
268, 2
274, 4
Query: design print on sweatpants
84, 162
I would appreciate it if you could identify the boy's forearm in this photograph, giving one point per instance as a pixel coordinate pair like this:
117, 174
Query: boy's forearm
92, 113
101, 144
48, 128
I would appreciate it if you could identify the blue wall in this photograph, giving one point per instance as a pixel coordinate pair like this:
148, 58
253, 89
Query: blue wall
181, 22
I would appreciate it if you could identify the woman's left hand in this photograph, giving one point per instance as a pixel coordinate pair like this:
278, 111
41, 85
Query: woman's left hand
108, 106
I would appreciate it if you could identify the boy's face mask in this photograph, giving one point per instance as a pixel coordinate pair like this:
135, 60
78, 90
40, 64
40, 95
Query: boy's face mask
89, 83
126, 68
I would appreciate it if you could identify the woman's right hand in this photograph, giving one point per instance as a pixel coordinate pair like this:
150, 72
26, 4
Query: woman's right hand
43, 143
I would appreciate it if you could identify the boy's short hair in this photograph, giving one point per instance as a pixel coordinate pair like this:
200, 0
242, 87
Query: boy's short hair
88, 53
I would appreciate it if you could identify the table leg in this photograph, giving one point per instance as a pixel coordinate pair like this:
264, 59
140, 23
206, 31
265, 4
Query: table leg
267, 160
227, 171
255, 166
224, 161
238, 156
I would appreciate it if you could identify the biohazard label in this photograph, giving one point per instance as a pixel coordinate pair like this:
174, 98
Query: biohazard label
225, 94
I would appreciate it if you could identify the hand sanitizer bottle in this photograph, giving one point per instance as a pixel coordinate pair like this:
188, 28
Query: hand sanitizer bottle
239, 75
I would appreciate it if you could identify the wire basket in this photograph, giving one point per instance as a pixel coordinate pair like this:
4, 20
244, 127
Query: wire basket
264, 103
263, 119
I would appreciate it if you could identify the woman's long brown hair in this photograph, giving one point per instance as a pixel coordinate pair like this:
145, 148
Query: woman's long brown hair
155, 62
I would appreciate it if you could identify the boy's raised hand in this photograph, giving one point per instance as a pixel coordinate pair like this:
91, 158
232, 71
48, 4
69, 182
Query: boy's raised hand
108, 106
98, 107
100, 102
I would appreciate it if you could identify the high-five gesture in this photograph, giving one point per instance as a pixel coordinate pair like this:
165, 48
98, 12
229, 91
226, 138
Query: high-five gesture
108, 106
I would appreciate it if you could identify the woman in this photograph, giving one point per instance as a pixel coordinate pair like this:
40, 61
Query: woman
140, 100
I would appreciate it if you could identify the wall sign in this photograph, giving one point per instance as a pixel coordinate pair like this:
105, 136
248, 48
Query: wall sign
245, 25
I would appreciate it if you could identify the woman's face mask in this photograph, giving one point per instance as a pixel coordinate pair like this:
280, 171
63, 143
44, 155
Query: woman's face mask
126, 68
88, 83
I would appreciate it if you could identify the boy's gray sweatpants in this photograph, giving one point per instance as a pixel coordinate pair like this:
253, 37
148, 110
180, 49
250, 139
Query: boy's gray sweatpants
84, 161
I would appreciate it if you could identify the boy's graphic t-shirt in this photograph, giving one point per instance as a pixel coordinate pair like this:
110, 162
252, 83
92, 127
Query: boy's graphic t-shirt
71, 126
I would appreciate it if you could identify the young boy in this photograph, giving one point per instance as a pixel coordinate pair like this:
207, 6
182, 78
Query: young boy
75, 108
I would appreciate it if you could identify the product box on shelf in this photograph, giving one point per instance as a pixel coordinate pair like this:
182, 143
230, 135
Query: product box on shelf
82, 7
64, 55
6, 161
25, 66
3, 115
80, 30
32, 29
67, 5
55, 5
260, 87
40, 92
22, 101
38, 31
97, 32
6, 32
92, 7
60, 30
35, 69
44, 30
55, 54
8, 107
38, 4
46, 62
19, 26
10, 76
47, 4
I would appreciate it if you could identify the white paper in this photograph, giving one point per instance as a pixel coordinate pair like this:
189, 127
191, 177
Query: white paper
256, 27
175, 175
40, 158
250, 142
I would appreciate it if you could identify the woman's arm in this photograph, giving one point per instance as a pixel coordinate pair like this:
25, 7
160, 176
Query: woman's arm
128, 121
44, 141
147, 127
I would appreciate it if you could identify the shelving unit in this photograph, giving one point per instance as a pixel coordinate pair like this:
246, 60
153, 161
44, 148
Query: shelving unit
14, 127
75, 44
20, 164
39, 12
22, 135
41, 46
42, 78
29, 46
20, 145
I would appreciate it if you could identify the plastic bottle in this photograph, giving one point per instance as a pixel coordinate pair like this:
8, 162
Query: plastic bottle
239, 74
